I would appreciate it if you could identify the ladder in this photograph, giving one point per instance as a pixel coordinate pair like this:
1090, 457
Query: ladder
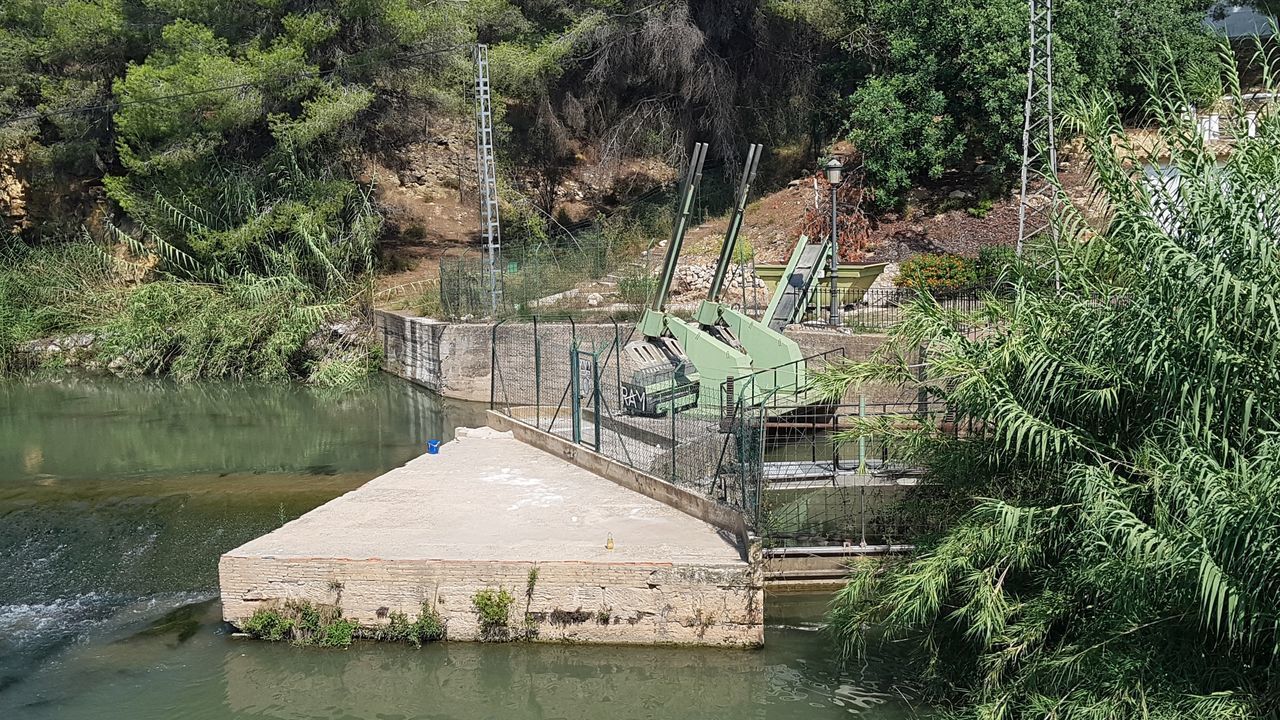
486, 165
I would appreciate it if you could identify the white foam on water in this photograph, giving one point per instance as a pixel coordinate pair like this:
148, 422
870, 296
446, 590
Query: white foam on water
79, 615
24, 622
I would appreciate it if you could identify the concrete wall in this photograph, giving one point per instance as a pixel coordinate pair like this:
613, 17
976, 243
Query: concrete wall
686, 501
450, 359
617, 603
856, 346
453, 359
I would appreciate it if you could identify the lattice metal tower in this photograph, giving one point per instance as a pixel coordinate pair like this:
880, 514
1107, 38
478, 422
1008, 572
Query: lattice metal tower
487, 167
1039, 197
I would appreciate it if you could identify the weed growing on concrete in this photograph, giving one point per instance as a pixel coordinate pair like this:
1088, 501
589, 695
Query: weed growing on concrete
493, 607
530, 624
302, 623
428, 626
268, 624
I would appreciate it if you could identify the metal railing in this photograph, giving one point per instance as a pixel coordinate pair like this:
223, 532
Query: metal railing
831, 479
788, 465
881, 309
780, 384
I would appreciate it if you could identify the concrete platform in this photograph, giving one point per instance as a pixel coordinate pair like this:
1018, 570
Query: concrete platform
482, 514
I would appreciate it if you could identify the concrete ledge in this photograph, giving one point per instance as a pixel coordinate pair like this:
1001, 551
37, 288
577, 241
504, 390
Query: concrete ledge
612, 603
685, 501
584, 558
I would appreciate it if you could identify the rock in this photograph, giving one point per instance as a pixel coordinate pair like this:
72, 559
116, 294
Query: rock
79, 341
120, 365
594, 299
958, 195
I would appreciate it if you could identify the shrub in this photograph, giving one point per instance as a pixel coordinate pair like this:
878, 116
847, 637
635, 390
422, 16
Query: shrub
992, 263
982, 209
937, 273
493, 608
636, 288
268, 624
302, 623
246, 329
428, 627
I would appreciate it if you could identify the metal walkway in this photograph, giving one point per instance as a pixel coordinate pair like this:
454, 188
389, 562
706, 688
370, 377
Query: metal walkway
801, 475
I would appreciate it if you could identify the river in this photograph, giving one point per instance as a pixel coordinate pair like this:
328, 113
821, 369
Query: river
117, 497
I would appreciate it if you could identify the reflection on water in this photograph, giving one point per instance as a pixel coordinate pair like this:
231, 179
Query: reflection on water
186, 666
116, 499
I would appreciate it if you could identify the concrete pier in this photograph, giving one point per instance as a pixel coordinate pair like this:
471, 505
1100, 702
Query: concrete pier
485, 512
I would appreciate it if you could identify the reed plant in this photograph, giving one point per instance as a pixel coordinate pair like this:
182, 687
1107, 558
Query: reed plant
1111, 519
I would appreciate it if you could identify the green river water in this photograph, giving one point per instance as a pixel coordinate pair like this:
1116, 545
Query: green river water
116, 498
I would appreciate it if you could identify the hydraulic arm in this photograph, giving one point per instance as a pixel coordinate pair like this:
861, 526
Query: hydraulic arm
676, 360
768, 349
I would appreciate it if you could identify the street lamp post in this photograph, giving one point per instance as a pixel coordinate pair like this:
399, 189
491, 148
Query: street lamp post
835, 175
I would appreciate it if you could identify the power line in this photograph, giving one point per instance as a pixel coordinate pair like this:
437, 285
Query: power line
115, 105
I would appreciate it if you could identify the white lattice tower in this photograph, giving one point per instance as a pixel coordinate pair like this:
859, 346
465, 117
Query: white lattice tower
1039, 198
487, 171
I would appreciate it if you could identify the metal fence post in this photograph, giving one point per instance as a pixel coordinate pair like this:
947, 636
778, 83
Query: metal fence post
537, 375
671, 410
575, 386
595, 395
862, 437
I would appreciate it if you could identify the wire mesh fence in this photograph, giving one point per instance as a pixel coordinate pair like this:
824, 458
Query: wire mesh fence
829, 479
571, 379
778, 461
879, 309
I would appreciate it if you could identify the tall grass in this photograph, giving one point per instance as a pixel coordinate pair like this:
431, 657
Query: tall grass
52, 290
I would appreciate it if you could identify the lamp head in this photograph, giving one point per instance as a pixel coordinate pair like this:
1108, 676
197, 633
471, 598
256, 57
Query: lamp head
834, 171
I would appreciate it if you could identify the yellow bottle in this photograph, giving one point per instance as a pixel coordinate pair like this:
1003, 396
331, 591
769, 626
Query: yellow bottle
608, 544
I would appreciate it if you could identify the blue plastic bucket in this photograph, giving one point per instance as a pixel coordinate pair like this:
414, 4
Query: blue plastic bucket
433, 447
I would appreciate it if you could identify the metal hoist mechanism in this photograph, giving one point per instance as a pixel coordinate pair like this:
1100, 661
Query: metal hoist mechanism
767, 348
803, 276
675, 359
487, 170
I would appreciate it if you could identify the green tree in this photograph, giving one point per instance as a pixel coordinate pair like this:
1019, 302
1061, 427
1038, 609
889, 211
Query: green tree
941, 84
1111, 522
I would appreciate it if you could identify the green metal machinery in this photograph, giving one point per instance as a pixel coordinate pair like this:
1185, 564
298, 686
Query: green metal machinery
679, 360
805, 270
675, 358
767, 347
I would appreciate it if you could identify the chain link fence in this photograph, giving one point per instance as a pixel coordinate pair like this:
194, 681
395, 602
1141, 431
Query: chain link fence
571, 379
781, 465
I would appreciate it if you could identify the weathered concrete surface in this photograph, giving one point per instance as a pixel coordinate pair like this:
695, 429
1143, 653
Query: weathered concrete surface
682, 499
453, 359
450, 359
482, 514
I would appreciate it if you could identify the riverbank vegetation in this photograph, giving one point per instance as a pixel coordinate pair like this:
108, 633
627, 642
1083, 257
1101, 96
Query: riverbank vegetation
1110, 508
226, 152
304, 623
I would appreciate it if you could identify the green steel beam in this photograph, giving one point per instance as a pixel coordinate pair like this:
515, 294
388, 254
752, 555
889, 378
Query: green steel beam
688, 188
735, 222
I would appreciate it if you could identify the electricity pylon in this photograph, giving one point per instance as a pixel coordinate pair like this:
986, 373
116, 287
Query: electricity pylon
1039, 198
486, 166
